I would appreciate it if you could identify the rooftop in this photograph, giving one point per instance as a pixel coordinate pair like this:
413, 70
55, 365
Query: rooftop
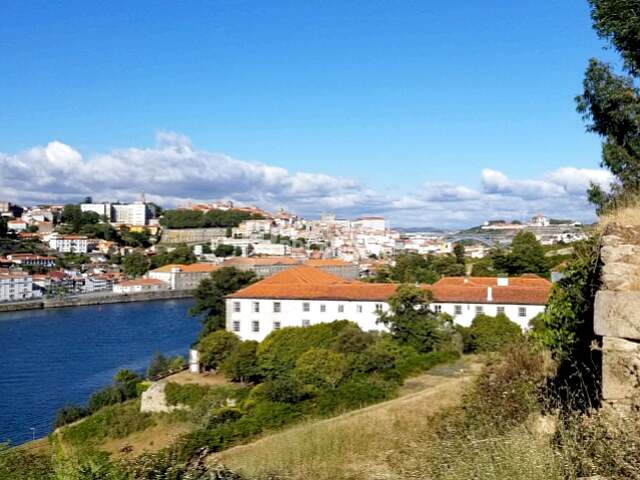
191, 268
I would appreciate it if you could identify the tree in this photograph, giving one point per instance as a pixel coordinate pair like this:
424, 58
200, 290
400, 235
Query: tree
488, 334
211, 292
242, 363
526, 256
411, 322
224, 250
321, 368
216, 347
458, 252
182, 254
610, 102
135, 264
158, 366
3, 227
237, 251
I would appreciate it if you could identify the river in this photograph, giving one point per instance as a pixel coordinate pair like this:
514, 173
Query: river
53, 357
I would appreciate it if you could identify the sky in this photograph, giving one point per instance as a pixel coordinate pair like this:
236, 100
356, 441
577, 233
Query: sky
440, 114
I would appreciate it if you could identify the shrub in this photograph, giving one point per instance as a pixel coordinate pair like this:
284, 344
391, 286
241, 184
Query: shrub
20, 464
284, 389
242, 363
124, 387
320, 368
188, 394
69, 414
216, 347
488, 334
279, 352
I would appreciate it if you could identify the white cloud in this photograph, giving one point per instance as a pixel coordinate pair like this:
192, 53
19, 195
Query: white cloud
174, 172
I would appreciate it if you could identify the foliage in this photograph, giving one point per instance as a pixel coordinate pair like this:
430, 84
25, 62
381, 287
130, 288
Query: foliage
216, 347
181, 254
123, 388
320, 368
69, 414
411, 322
212, 218
75, 218
20, 464
416, 268
489, 334
210, 296
223, 250
610, 102
526, 256
4, 229
242, 363
161, 365
136, 264
187, 394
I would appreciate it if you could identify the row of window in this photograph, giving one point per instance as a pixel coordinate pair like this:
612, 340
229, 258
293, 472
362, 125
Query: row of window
457, 310
306, 307
255, 325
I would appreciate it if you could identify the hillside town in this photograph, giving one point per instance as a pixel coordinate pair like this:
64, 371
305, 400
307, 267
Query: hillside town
98, 248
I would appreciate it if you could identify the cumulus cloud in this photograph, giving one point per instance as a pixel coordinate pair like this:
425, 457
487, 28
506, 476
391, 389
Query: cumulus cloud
174, 172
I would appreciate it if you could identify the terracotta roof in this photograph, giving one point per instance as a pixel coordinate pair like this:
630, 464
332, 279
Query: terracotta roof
191, 268
327, 262
256, 261
307, 283
527, 280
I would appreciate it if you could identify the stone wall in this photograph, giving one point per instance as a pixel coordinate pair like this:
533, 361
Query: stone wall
191, 235
617, 317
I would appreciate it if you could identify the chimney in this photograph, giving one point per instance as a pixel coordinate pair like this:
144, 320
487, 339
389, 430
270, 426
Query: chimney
489, 294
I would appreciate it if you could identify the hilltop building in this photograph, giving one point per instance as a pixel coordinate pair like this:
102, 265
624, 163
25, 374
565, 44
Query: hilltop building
183, 277
304, 296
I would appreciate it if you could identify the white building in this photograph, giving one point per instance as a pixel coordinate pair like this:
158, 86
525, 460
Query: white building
15, 286
130, 214
304, 296
377, 224
69, 243
183, 277
271, 249
17, 225
140, 285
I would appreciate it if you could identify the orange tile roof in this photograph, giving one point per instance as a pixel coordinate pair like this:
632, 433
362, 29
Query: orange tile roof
308, 283
527, 280
141, 281
327, 262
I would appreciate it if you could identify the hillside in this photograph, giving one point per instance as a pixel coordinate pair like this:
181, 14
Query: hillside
357, 444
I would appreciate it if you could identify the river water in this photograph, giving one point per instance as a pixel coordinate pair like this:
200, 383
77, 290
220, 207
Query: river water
52, 357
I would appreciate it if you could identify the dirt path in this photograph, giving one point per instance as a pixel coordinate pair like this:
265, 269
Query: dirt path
351, 439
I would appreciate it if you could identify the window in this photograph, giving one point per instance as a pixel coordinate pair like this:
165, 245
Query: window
256, 307
479, 309
306, 323
236, 307
340, 308
306, 307
276, 325
323, 308
457, 309
255, 326
378, 307
276, 307
522, 312
236, 326
359, 308
437, 308
500, 309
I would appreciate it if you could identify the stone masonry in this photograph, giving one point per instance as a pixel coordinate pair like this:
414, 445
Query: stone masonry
617, 317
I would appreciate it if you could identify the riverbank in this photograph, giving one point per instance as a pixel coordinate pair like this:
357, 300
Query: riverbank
95, 299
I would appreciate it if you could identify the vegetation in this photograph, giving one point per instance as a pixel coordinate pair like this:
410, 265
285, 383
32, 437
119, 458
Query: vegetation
489, 334
526, 255
212, 218
210, 296
161, 366
416, 268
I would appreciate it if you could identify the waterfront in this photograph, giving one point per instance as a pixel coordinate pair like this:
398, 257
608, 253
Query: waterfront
53, 357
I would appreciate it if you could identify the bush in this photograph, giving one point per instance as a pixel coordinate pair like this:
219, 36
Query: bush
320, 368
161, 366
188, 394
242, 363
19, 464
69, 414
216, 347
124, 387
489, 334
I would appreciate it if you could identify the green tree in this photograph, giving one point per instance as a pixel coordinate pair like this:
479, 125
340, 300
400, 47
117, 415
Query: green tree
182, 254
237, 252
215, 347
526, 256
242, 363
159, 365
488, 334
610, 102
458, 253
3, 227
210, 295
321, 368
224, 250
135, 264
411, 321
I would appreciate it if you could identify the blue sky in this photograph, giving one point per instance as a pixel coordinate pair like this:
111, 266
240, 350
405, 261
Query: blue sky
391, 107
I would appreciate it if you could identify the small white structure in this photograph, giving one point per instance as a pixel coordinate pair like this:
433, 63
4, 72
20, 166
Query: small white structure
304, 296
194, 361
140, 285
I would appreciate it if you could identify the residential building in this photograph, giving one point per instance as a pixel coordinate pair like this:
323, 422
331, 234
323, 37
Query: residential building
335, 266
377, 224
139, 285
69, 243
16, 285
17, 225
261, 266
183, 277
131, 214
31, 260
305, 295
271, 249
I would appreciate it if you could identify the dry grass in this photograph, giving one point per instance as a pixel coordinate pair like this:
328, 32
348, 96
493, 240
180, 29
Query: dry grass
150, 440
205, 379
357, 445
625, 215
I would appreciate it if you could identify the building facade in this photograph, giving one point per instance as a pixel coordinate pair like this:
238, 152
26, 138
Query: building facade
16, 286
69, 243
183, 277
304, 296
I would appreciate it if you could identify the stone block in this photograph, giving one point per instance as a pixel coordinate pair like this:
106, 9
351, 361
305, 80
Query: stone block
620, 368
620, 276
617, 314
620, 253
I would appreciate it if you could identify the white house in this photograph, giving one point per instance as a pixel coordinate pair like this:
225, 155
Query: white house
183, 277
69, 243
140, 285
16, 285
304, 295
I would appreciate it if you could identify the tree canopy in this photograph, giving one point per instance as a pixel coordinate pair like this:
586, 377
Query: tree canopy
183, 218
610, 101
